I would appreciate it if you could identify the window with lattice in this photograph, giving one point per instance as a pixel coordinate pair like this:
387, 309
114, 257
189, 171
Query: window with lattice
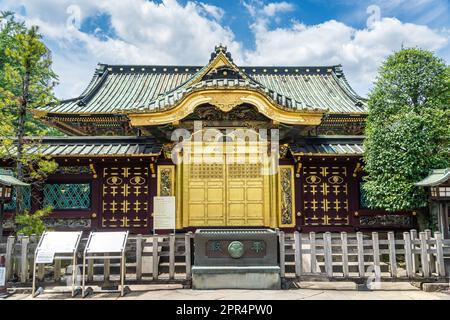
363, 201
67, 195
11, 205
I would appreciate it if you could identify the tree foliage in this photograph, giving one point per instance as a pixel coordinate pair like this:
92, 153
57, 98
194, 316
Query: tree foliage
408, 128
27, 82
29, 224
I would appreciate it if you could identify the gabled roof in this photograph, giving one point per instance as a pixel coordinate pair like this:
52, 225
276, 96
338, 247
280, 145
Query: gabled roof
122, 88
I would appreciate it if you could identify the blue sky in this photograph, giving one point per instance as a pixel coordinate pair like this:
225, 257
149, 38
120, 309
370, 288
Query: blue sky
357, 34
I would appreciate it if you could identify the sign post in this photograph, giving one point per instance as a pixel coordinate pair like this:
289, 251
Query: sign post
163, 213
106, 246
57, 245
3, 288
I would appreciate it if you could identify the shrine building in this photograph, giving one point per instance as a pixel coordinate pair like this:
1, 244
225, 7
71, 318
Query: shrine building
140, 131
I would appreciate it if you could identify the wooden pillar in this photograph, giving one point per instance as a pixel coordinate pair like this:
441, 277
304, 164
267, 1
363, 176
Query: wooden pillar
443, 214
274, 192
178, 193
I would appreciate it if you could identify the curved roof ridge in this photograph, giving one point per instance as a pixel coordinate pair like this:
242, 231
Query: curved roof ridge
94, 84
341, 79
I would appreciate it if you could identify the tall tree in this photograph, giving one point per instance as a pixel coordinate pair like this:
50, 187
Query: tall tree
408, 129
27, 82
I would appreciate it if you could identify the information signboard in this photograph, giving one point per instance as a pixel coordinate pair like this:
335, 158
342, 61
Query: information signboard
57, 245
101, 242
163, 213
44, 256
2, 276
59, 241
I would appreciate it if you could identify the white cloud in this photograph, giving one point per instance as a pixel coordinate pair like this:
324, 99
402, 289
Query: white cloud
273, 8
215, 12
361, 51
145, 32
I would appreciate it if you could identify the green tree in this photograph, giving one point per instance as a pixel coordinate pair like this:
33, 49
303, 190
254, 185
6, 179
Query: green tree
407, 131
29, 224
27, 82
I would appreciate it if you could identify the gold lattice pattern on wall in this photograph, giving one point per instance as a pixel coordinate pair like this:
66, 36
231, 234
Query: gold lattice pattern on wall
325, 195
244, 170
206, 171
125, 197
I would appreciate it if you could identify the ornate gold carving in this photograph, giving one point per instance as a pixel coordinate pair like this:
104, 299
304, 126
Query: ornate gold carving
225, 99
358, 168
335, 179
313, 179
114, 181
286, 195
166, 181
137, 180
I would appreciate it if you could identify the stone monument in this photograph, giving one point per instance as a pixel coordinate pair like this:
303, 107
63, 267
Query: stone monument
236, 259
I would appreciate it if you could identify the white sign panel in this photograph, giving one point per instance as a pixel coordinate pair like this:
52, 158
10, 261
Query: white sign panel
107, 241
163, 213
59, 242
2, 276
44, 256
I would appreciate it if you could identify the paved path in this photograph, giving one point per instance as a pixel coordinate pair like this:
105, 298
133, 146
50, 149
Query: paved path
308, 291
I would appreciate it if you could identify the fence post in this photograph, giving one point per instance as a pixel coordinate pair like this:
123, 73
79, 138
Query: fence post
327, 254
298, 253
344, 248
90, 269
106, 270
282, 254
155, 257
9, 256
139, 257
312, 245
24, 259
41, 267
360, 247
415, 257
392, 254
171, 256
187, 253
439, 254
376, 255
408, 254
424, 255
57, 271
430, 249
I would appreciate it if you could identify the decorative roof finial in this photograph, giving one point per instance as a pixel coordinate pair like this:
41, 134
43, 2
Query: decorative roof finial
220, 49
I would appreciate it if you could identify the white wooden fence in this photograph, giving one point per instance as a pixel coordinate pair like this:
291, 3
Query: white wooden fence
358, 255
167, 258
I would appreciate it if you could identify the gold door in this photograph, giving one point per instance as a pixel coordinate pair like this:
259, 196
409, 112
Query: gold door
204, 195
225, 194
247, 195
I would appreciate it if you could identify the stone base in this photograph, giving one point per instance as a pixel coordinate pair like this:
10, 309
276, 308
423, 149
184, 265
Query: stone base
236, 278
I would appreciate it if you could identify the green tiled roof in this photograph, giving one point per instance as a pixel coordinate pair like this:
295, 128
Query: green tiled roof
329, 145
118, 88
435, 178
93, 146
6, 178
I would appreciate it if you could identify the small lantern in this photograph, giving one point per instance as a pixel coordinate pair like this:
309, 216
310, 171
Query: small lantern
5, 193
441, 192
438, 182
7, 182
